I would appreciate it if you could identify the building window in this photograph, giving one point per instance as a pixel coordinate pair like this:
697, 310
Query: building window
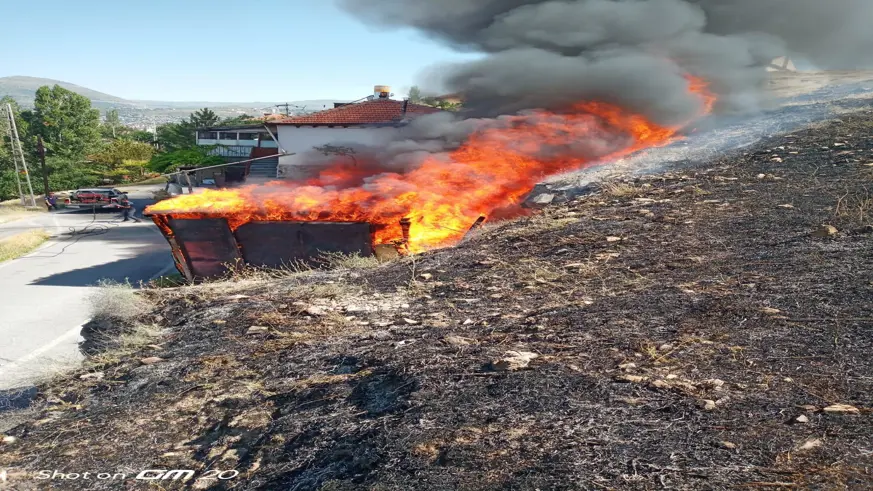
248, 136
227, 136
208, 135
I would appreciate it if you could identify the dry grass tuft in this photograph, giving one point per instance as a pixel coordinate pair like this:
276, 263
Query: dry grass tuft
117, 301
334, 260
619, 189
21, 244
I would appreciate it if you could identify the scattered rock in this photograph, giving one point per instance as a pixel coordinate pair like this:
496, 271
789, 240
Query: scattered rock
729, 445
514, 360
468, 322
707, 404
458, 341
810, 444
8, 440
314, 311
258, 330
665, 347
634, 379
91, 376
802, 419
714, 383
543, 199
842, 409
825, 231
151, 360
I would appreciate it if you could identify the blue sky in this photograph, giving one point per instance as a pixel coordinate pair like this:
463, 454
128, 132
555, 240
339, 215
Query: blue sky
217, 50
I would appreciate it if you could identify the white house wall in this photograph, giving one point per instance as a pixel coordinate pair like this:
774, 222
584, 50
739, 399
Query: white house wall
300, 141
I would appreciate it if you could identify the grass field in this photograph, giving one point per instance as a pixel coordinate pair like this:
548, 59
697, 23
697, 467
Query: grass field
12, 210
19, 245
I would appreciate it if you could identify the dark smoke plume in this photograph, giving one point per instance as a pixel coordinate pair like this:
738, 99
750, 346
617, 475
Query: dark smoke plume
549, 53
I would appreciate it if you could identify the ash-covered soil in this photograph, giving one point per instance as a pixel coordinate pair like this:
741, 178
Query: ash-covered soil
708, 328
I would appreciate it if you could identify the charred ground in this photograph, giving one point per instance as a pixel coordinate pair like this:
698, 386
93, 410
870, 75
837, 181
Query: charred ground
690, 329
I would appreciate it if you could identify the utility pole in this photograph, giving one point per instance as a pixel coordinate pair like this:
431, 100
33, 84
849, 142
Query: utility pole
40, 149
17, 141
287, 108
14, 159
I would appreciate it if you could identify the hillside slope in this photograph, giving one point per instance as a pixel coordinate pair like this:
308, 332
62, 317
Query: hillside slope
23, 90
686, 330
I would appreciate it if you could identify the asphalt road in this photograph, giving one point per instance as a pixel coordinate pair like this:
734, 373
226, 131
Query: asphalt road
44, 295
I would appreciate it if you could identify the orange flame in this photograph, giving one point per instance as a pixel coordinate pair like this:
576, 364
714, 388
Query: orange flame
488, 175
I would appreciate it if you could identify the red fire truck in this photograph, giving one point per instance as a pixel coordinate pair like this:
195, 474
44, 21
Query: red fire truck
109, 198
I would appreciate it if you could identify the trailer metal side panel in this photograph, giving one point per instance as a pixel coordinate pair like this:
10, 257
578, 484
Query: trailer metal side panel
277, 244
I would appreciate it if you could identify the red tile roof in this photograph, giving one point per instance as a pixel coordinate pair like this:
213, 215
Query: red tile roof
378, 111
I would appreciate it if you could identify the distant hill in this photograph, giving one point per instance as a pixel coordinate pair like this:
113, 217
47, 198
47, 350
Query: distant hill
148, 114
23, 90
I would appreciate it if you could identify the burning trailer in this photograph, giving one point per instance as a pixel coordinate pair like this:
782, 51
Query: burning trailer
206, 247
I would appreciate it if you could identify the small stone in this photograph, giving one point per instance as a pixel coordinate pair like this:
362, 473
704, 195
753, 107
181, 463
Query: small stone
776, 159
714, 383
426, 276
8, 440
672, 376
729, 445
411, 322
707, 404
665, 347
258, 330
825, 231
810, 444
802, 419
544, 199
634, 379
514, 360
761, 176
314, 310
788, 379
151, 360
92, 376
627, 366
458, 341
468, 322
842, 409
613, 239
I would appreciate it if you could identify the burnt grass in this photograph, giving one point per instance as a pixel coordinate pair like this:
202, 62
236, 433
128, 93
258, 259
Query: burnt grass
682, 323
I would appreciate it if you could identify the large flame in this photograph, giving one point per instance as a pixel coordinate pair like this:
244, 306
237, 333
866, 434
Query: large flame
488, 175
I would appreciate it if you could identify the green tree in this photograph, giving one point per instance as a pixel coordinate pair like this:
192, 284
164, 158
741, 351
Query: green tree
176, 136
204, 118
414, 94
111, 122
68, 125
122, 159
171, 161
141, 136
243, 119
